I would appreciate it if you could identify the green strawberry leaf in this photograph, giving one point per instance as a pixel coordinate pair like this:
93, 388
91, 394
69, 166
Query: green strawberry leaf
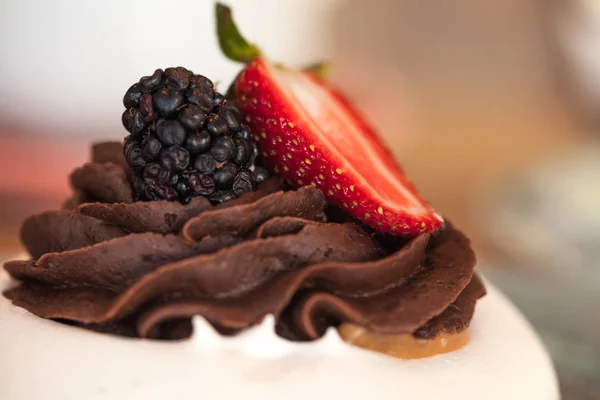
232, 43
320, 69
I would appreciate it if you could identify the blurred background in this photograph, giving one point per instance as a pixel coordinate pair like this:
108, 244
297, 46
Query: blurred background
492, 107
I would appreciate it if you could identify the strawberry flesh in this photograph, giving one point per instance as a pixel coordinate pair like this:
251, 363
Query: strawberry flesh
309, 134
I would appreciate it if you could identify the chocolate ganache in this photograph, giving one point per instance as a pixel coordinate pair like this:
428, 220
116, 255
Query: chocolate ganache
144, 269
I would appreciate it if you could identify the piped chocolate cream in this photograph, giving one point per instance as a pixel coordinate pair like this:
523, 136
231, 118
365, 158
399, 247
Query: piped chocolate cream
144, 269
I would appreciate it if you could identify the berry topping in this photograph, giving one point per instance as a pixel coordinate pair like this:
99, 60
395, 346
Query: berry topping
201, 184
205, 164
197, 143
309, 134
186, 140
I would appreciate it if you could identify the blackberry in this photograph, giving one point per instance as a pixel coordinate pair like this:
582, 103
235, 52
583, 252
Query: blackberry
261, 174
205, 164
197, 143
222, 149
222, 196
201, 184
225, 175
187, 140
175, 158
157, 174
244, 181
151, 148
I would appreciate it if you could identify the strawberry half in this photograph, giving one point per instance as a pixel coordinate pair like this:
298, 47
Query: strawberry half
310, 135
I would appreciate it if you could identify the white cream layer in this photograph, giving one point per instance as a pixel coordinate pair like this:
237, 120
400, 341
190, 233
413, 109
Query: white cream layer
41, 359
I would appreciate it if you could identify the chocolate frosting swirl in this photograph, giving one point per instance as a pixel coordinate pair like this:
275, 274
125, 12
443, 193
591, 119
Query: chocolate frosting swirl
144, 269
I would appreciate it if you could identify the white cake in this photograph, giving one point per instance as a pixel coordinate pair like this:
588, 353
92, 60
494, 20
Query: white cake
42, 359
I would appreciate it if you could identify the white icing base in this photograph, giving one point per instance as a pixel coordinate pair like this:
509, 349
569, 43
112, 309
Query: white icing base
41, 359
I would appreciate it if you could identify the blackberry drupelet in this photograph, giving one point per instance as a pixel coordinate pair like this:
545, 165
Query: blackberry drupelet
186, 140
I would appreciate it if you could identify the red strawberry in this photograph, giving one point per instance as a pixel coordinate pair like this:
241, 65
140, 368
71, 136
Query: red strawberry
309, 134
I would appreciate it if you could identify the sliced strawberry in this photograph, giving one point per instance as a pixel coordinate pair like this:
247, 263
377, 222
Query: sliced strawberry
309, 134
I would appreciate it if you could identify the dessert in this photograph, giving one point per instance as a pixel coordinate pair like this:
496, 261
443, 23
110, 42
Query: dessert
183, 221
145, 268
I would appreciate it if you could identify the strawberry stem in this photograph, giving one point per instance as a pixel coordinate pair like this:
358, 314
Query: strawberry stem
320, 69
232, 43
